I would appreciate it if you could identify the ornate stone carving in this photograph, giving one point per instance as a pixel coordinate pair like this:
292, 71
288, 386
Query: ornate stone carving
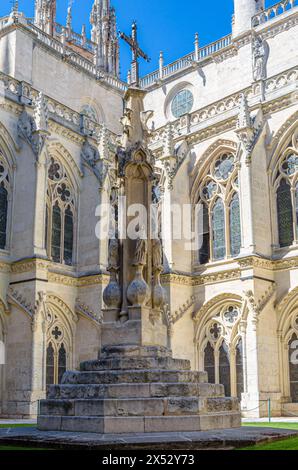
112, 294
91, 159
26, 127
260, 56
138, 290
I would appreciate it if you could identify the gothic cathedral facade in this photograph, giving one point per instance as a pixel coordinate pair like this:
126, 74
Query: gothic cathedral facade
224, 134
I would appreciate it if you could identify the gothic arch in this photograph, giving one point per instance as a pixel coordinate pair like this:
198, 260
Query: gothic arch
209, 308
55, 148
283, 173
59, 338
280, 139
9, 145
218, 336
218, 147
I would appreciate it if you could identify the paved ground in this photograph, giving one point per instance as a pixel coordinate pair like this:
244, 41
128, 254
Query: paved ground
222, 439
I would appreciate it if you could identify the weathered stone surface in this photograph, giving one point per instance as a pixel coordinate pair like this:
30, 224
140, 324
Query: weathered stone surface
133, 376
218, 439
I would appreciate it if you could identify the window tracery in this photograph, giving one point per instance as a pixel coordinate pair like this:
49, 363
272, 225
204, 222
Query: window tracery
222, 349
60, 214
58, 347
219, 196
286, 187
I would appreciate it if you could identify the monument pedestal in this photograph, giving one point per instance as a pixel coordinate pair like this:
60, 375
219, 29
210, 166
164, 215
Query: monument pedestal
137, 389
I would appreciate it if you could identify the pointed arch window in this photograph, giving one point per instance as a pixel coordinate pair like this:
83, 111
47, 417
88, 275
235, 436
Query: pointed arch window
205, 241
235, 226
285, 180
60, 215
4, 200
219, 196
293, 367
209, 362
218, 230
222, 354
285, 214
239, 368
224, 368
58, 348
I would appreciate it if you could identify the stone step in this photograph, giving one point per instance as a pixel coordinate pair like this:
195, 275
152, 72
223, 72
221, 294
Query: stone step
170, 406
135, 390
124, 425
129, 363
134, 351
134, 376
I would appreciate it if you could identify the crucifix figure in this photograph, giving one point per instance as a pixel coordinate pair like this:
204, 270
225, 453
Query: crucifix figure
137, 52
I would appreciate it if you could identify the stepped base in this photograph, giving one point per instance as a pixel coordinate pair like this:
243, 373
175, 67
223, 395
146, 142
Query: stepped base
133, 389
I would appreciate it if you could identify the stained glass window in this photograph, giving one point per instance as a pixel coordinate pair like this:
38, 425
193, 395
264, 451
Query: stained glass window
235, 226
239, 368
68, 236
3, 216
182, 103
209, 363
218, 230
61, 362
56, 234
205, 238
293, 366
50, 368
285, 214
224, 167
224, 368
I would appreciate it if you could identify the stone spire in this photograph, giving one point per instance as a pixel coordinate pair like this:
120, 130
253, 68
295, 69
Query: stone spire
244, 11
45, 15
104, 35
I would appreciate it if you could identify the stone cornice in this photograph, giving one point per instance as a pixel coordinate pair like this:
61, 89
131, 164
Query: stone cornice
52, 274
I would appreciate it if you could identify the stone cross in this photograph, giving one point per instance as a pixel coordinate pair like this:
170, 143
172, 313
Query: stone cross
137, 52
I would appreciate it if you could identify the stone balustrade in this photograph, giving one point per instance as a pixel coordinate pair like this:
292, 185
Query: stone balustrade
273, 11
184, 62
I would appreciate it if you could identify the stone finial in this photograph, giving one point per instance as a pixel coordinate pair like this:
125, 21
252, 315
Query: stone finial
197, 47
84, 35
244, 119
41, 113
69, 19
161, 65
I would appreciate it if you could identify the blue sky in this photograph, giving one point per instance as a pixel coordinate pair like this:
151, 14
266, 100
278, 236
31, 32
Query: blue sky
167, 25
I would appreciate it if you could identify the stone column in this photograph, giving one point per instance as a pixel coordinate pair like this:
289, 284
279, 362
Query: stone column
39, 247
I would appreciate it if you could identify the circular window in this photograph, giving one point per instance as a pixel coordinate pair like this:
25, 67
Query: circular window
182, 103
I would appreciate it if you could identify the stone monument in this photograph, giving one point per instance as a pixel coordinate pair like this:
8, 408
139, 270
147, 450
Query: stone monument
136, 386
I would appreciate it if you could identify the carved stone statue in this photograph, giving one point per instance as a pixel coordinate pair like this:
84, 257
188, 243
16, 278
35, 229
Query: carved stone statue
26, 127
127, 126
260, 56
141, 252
157, 257
145, 117
113, 253
89, 154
